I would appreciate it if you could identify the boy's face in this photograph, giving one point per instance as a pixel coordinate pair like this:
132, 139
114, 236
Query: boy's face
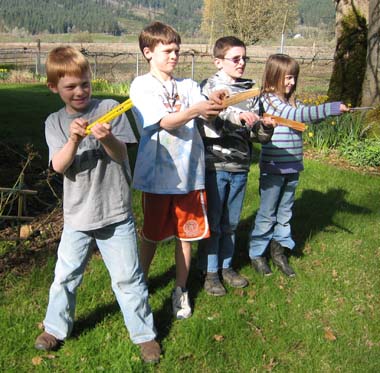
163, 59
74, 91
233, 63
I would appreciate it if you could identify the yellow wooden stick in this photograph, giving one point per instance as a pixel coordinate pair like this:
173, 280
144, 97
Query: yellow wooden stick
299, 126
241, 96
112, 114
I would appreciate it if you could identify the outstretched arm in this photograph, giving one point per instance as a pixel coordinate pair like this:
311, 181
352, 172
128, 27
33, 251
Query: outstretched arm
273, 105
207, 109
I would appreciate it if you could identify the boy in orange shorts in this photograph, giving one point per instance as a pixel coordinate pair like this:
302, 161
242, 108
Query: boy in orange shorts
170, 161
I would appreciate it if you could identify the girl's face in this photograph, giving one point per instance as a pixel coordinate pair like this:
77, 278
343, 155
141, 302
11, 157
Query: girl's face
289, 83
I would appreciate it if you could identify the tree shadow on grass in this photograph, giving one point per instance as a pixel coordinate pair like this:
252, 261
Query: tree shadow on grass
163, 318
95, 317
313, 212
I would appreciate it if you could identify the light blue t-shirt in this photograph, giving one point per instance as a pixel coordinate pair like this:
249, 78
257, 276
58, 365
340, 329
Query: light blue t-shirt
168, 162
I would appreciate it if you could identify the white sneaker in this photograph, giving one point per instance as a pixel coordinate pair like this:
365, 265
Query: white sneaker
181, 304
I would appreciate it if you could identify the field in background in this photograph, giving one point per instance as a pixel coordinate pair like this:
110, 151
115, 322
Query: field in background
118, 62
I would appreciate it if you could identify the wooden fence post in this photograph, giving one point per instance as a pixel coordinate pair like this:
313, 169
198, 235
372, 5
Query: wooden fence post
192, 65
38, 57
95, 65
137, 64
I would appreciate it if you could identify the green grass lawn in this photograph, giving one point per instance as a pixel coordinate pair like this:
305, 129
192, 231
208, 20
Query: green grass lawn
325, 319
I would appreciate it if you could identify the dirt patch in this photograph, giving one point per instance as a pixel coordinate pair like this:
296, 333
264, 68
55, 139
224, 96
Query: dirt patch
24, 255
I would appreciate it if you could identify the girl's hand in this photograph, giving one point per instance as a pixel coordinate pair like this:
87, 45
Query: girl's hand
343, 108
249, 118
269, 122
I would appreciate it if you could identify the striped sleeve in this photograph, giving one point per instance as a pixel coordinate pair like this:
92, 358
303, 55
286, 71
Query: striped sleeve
301, 113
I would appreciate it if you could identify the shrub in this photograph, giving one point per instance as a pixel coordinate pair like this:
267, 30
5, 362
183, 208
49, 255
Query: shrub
334, 131
104, 86
362, 153
4, 74
22, 76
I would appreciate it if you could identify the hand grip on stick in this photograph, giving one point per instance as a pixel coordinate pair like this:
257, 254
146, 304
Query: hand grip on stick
298, 126
241, 96
112, 114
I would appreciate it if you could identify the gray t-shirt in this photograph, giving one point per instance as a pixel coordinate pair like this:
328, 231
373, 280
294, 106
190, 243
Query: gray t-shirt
96, 189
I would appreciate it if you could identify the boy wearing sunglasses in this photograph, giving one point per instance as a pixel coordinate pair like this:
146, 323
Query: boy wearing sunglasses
228, 155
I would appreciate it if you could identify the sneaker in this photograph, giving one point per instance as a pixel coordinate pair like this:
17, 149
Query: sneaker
213, 286
233, 278
260, 264
47, 342
150, 351
181, 304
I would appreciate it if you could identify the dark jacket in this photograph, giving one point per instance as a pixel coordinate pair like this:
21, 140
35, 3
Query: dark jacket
227, 141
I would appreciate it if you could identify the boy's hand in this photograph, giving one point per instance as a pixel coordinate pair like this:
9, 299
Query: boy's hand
115, 148
78, 130
101, 131
343, 108
208, 109
218, 96
249, 118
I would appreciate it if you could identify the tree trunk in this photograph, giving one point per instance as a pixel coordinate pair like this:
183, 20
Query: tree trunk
351, 51
371, 87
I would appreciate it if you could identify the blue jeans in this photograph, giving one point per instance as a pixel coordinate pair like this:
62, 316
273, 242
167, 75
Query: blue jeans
273, 217
118, 246
225, 195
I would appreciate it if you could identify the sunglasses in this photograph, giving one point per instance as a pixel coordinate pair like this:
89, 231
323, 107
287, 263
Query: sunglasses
237, 59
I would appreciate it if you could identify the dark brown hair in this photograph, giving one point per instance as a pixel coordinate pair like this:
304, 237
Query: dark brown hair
222, 45
155, 33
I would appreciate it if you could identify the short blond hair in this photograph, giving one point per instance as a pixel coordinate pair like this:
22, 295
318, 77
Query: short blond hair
65, 60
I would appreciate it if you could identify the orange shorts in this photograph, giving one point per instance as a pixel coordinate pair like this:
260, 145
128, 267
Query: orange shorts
175, 215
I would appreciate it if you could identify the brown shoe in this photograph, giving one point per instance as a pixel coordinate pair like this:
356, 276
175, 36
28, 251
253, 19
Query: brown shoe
279, 259
213, 286
233, 278
150, 351
47, 342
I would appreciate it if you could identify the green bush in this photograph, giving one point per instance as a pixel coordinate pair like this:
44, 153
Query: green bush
334, 131
4, 74
104, 86
362, 153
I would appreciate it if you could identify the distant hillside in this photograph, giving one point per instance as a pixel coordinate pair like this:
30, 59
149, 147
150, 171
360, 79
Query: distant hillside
119, 17
94, 16
316, 12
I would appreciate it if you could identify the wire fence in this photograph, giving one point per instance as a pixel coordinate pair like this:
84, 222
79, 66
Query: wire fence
124, 66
